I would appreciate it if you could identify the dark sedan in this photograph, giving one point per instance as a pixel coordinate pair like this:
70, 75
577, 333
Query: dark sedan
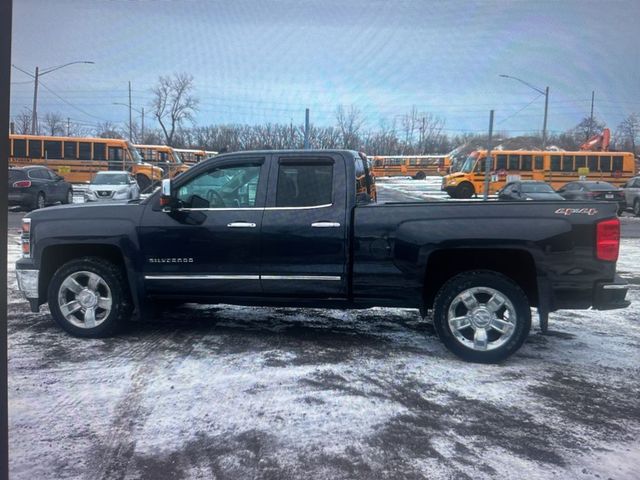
590, 190
528, 190
36, 187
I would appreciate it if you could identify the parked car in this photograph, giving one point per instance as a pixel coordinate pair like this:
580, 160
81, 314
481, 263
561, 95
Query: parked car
594, 190
528, 190
112, 185
36, 187
302, 228
631, 191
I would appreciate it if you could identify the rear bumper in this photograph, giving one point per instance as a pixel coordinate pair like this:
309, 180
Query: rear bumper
23, 198
609, 296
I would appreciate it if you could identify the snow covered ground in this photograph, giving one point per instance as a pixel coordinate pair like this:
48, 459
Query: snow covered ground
274, 393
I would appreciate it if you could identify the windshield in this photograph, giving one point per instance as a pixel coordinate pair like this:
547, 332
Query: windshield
134, 153
176, 156
599, 186
469, 164
536, 188
110, 179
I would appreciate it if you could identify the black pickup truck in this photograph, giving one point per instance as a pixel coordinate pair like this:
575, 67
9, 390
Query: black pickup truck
303, 228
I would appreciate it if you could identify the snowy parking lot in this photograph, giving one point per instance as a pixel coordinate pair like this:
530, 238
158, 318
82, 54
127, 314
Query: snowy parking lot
276, 393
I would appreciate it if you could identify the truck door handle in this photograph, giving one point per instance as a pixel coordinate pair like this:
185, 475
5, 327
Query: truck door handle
241, 225
325, 225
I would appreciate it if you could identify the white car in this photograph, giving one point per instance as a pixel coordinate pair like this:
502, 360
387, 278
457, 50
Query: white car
112, 185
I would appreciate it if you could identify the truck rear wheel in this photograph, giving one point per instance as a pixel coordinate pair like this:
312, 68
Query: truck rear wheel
482, 316
88, 297
419, 176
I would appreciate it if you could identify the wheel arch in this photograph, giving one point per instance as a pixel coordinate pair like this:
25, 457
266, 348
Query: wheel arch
54, 256
515, 264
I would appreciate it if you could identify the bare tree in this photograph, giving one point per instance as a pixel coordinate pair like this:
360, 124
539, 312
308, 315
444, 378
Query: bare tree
22, 122
54, 124
628, 133
349, 123
108, 130
173, 103
586, 128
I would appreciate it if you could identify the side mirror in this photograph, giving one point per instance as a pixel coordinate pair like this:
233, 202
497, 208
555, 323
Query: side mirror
165, 194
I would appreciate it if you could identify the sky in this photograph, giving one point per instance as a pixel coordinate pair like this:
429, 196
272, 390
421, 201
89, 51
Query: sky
259, 61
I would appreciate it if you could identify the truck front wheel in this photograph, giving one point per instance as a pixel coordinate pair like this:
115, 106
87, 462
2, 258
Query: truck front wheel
482, 316
88, 297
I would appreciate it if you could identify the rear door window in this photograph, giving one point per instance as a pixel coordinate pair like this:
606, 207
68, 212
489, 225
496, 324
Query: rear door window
304, 185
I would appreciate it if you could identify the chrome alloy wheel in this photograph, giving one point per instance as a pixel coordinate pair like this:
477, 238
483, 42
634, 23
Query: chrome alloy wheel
84, 299
481, 318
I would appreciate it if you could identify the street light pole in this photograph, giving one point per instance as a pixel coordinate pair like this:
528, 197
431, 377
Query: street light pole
130, 121
546, 104
130, 134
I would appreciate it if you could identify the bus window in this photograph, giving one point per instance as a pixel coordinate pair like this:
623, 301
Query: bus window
115, 153
35, 148
605, 164
481, 165
539, 162
581, 161
514, 162
593, 163
526, 162
99, 151
19, 148
84, 152
52, 150
567, 163
70, 149
501, 162
617, 164
555, 163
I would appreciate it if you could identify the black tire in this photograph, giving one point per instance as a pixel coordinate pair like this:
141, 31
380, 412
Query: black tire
482, 280
113, 277
143, 182
68, 197
636, 207
40, 201
419, 176
465, 190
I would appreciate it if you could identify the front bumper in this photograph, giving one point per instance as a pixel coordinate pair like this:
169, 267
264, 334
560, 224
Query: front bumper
28, 285
609, 296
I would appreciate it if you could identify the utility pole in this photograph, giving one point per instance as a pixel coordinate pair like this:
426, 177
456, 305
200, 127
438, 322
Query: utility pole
306, 129
34, 115
142, 139
130, 127
488, 163
544, 125
593, 96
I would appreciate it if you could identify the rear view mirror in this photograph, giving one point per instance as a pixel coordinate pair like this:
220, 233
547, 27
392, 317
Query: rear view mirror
165, 194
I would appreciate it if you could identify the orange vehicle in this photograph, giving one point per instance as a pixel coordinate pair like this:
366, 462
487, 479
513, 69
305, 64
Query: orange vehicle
79, 159
553, 167
163, 156
417, 167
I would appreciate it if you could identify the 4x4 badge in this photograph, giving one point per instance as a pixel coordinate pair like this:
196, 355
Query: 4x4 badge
576, 211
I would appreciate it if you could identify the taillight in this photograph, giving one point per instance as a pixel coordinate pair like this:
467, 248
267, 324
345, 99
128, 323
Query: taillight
608, 240
22, 184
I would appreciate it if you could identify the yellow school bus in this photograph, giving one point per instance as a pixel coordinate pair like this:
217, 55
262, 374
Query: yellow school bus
417, 166
163, 156
553, 167
191, 156
79, 159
